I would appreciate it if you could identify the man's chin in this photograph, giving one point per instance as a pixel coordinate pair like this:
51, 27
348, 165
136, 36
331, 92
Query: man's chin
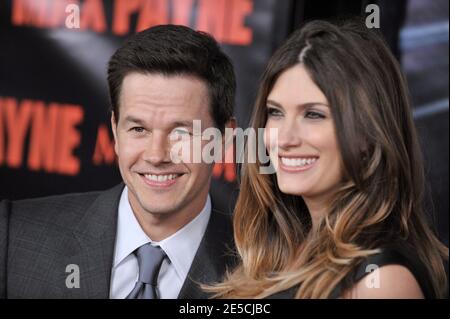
153, 203
151, 208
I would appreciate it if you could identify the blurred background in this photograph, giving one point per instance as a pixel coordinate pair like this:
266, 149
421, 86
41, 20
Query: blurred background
54, 107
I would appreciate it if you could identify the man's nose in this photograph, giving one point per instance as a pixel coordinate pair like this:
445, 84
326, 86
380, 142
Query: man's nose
156, 151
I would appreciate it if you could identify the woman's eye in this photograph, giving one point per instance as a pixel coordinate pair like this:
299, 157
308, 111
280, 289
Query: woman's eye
273, 112
314, 115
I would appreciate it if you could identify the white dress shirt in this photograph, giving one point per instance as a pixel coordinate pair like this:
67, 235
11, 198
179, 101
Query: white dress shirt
180, 249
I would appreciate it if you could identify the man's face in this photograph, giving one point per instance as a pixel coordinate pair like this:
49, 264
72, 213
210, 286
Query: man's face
155, 109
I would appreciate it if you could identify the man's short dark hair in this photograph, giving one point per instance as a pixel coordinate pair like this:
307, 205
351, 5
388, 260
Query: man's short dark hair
176, 50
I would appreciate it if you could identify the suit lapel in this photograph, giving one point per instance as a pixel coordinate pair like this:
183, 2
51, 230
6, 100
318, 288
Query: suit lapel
93, 250
213, 256
96, 235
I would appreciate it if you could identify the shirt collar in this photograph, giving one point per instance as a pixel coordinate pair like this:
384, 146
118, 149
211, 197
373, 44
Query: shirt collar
180, 247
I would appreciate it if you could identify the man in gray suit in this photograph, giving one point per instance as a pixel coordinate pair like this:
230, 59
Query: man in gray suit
156, 235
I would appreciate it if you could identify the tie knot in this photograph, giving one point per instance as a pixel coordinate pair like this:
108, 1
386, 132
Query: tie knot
150, 259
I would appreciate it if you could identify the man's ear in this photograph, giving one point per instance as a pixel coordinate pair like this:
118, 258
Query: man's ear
114, 130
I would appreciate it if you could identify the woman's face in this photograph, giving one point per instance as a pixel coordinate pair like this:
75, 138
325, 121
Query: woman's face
308, 162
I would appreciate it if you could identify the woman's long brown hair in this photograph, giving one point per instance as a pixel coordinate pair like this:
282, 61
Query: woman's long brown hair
381, 200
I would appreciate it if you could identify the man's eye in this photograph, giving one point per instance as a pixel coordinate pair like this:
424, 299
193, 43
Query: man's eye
314, 115
137, 129
273, 112
180, 133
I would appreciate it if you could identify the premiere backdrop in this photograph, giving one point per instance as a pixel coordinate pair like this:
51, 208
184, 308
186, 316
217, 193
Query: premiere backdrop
54, 107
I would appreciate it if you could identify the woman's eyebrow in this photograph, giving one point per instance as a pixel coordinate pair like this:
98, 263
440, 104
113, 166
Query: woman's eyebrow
302, 105
273, 103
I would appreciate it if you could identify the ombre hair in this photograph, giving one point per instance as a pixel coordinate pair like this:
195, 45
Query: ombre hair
380, 201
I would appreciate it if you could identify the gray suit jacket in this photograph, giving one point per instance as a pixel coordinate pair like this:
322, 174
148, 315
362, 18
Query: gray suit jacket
40, 237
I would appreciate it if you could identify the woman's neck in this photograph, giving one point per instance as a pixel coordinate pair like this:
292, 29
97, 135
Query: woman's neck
317, 208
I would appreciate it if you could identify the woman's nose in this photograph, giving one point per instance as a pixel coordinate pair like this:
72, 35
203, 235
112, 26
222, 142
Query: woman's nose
289, 134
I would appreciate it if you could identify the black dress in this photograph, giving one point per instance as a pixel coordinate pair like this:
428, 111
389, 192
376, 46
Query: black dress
392, 255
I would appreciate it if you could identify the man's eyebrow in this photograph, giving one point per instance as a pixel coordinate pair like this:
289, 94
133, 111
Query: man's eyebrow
139, 121
302, 105
183, 123
132, 119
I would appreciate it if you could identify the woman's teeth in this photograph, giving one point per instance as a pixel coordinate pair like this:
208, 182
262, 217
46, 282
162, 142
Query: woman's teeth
289, 161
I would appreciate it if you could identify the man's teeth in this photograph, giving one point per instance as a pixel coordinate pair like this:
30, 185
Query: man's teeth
297, 161
161, 178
